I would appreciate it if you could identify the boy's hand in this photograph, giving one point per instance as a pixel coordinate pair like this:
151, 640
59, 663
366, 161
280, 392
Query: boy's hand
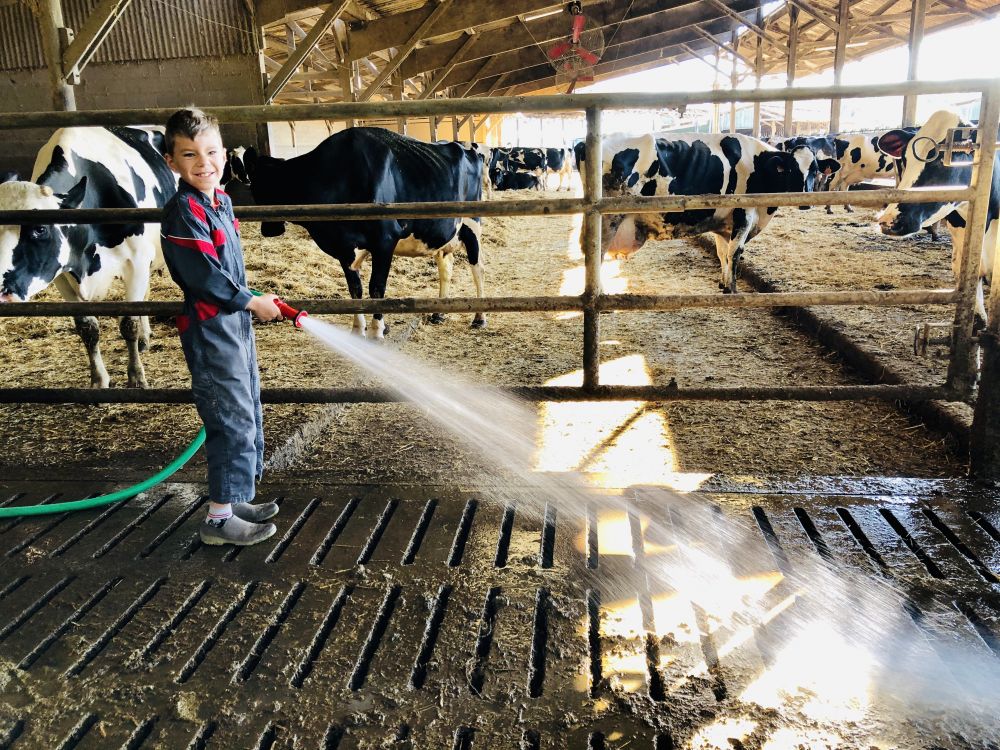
264, 309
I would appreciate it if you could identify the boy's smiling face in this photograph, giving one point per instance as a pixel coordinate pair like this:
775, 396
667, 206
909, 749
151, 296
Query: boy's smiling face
199, 161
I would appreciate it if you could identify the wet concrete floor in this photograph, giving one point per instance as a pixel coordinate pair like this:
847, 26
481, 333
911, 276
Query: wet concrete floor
425, 618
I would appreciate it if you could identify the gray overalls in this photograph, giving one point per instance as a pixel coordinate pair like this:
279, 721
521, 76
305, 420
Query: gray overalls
201, 246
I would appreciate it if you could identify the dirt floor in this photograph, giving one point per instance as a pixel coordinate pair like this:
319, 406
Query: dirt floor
535, 256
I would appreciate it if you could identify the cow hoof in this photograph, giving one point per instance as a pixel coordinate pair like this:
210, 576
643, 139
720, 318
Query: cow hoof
727, 290
138, 383
478, 323
436, 318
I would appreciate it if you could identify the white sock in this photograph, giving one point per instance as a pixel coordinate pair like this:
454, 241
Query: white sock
219, 513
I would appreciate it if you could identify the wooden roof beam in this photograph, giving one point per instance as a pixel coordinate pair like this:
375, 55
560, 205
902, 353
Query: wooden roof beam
422, 31
458, 57
758, 30
298, 56
393, 31
94, 31
812, 11
724, 47
679, 20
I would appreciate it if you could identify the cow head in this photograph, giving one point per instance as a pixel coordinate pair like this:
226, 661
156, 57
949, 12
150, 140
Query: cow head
265, 188
32, 255
919, 158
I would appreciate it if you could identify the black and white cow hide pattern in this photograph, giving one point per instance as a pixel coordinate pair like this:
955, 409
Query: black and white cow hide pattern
693, 165
374, 165
113, 167
905, 219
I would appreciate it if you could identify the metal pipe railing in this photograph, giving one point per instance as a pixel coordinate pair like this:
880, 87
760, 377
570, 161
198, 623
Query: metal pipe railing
540, 207
963, 367
881, 392
487, 106
593, 205
604, 303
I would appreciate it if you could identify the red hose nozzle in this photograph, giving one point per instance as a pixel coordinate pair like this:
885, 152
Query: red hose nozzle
289, 312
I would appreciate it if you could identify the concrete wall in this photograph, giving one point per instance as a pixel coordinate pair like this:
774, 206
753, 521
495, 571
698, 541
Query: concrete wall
164, 83
301, 137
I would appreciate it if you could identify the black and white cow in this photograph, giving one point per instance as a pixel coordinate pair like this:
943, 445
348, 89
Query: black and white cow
904, 219
580, 155
559, 161
373, 165
518, 160
517, 181
485, 154
698, 164
113, 167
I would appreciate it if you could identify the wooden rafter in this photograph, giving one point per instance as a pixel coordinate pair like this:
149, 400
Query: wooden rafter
298, 56
459, 55
94, 31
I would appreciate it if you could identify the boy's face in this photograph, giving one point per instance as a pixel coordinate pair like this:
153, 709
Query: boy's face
199, 161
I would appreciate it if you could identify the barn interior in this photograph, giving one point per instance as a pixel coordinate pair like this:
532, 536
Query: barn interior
757, 523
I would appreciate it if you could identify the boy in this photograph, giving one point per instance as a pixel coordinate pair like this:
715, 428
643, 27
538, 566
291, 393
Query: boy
201, 246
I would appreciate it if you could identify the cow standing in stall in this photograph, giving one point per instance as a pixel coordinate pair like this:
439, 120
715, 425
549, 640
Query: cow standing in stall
698, 164
559, 161
518, 161
373, 165
905, 219
114, 167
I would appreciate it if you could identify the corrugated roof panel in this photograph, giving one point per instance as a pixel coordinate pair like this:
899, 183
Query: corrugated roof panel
148, 30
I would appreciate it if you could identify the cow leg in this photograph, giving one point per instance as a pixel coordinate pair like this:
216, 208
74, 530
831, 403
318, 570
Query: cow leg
724, 249
381, 260
470, 235
446, 263
848, 208
354, 288
89, 331
135, 330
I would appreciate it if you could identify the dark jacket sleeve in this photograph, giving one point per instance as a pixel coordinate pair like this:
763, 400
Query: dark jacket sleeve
193, 260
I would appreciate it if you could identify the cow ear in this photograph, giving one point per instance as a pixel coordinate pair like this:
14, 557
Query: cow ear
75, 196
828, 166
894, 143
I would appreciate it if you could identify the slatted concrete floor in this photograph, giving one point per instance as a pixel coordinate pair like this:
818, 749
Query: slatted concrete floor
388, 617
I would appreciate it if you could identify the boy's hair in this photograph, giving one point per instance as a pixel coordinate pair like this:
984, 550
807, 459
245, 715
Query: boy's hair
188, 122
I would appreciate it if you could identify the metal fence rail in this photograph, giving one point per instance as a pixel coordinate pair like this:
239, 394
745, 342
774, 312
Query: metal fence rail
593, 205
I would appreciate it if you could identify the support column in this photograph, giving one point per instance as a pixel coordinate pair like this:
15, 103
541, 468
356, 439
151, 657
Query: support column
455, 131
590, 235
734, 40
984, 438
397, 94
347, 87
793, 49
758, 68
917, 15
716, 126
839, 56
54, 38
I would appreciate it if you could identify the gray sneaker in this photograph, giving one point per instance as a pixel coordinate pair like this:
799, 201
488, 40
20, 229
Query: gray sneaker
255, 513
236, 531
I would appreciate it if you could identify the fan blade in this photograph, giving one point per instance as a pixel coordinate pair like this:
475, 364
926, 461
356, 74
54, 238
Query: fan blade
557, 50
589, 57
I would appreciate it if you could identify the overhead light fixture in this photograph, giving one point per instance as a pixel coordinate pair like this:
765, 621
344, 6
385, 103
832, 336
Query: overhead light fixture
850, 44
543, 14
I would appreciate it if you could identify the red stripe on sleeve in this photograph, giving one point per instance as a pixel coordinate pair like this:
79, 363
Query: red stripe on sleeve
201, 245
236, 224
197, 209
218, 237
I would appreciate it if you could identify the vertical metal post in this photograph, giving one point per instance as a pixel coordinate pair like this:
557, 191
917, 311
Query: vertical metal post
733, 40
758, 68
397, 94
50, 17
591, 235
347, 88
984, 439
962, 368
917, 15
839, 56
793, 53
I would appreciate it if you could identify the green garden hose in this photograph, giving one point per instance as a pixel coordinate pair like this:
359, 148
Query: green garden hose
125, 494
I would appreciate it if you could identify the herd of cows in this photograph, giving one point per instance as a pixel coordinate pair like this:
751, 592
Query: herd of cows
123, 167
